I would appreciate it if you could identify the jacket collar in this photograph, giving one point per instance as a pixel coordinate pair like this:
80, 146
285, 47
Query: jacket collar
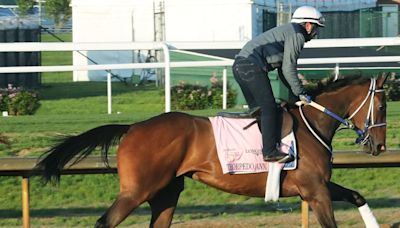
299, 27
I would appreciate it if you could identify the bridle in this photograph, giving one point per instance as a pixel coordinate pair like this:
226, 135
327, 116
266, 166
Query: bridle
363, 134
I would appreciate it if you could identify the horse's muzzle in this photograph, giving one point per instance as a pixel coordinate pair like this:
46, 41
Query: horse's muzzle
374, 148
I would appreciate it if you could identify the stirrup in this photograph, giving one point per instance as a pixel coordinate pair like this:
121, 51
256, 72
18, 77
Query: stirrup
286, 159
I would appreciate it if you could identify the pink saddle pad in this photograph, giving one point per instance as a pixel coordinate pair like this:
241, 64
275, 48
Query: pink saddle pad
239, 150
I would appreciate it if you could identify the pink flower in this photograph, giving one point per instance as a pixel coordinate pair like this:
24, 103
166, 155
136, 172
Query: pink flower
214, 79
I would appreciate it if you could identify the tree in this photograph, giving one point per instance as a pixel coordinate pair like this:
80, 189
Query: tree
24, 6
59, 10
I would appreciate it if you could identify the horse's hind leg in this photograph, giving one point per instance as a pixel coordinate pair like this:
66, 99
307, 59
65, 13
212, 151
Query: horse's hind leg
119, 210
163, 204
339, 193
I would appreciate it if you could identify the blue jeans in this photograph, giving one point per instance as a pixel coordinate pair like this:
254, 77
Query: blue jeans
257, 91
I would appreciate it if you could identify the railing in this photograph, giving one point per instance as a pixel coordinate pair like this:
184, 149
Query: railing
167, 64
94, 165
67, 46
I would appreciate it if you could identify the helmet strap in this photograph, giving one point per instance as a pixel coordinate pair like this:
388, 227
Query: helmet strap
312, 30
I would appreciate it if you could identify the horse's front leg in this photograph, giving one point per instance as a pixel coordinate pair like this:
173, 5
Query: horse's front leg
339, 193
320, 202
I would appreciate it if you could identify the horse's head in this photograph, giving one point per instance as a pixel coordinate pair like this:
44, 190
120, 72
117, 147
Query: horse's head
369, 115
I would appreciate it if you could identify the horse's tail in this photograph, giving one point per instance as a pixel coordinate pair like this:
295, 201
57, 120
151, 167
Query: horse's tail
80, 147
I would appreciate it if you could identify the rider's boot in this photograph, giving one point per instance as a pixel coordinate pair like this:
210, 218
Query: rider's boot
276, 155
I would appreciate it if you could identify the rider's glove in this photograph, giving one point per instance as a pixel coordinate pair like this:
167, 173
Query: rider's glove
305, 98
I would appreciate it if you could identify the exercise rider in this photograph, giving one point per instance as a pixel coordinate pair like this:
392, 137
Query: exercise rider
277, 48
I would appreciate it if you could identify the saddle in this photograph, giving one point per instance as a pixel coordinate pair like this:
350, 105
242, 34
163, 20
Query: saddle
285, 119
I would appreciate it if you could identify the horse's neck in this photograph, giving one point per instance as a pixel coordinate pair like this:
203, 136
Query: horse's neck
338, 102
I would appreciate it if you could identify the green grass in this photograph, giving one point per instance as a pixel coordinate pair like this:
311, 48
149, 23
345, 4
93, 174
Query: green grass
67, 98
56, 58
81, 199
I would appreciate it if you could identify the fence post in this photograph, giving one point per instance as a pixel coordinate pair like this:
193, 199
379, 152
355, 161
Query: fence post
224, 89
25, 202
337, 71
109, 109
304, 214
167, 77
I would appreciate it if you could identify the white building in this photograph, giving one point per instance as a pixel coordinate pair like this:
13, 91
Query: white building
109, 21
174, 20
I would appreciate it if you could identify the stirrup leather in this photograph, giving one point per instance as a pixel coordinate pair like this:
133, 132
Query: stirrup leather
252, 113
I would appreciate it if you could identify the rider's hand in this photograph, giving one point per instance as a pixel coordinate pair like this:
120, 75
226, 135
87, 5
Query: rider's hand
305, 98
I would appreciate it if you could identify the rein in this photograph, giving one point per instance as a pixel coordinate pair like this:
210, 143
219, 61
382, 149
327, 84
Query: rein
363, 135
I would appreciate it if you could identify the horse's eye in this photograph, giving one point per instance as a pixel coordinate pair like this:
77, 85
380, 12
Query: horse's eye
381, 107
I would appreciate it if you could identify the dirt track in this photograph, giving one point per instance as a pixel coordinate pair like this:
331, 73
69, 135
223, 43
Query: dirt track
344, 219
348, 218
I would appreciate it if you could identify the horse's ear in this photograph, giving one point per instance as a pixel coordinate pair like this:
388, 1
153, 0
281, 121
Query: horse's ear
382, 78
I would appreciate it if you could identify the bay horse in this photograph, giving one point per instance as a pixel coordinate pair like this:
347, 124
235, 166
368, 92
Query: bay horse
156, 154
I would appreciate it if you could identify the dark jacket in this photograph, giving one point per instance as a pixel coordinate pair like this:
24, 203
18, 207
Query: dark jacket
279, 47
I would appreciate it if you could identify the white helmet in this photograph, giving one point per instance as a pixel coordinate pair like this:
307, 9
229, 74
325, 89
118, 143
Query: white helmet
308, 14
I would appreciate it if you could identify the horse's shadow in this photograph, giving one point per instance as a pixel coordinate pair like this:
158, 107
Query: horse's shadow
396, 225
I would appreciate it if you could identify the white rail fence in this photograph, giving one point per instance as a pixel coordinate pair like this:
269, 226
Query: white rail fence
167, 64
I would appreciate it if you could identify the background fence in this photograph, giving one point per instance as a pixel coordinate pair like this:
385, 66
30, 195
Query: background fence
381, 21
167, 64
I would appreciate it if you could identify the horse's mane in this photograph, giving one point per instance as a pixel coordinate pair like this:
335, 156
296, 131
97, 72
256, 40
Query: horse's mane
330, 84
